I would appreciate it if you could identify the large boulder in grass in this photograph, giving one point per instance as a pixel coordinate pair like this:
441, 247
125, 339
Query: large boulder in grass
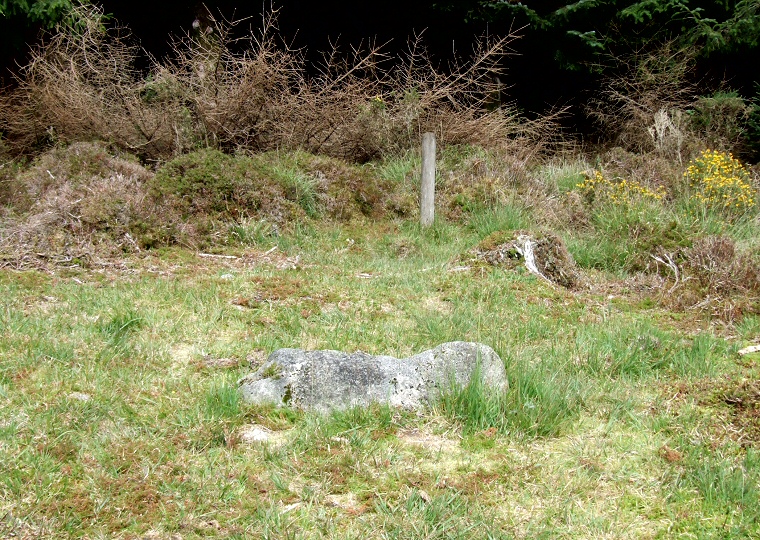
326, 380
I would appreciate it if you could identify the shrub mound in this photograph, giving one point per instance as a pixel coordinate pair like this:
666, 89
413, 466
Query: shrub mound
718, 277
84, 200
75, 201
545, 251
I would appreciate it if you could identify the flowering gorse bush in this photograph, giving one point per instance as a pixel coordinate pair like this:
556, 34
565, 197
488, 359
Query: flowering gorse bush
720, 182
618, 192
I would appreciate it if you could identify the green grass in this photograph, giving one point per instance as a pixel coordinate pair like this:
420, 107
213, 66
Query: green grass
120, 415
300, 188
155, 450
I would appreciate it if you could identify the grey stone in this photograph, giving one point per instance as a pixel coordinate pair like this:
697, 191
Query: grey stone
325, 380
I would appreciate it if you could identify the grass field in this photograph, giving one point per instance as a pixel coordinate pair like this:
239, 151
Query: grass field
163, 231
120, 417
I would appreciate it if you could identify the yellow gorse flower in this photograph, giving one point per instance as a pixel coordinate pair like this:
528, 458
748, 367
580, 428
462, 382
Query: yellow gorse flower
620, 192
720, 181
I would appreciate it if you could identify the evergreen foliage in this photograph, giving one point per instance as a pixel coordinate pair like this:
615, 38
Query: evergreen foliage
21, 20
594, 26
47, 12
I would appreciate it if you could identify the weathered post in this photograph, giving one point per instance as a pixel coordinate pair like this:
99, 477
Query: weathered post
427, 193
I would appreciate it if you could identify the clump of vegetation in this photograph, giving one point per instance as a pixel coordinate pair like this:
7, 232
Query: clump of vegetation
720, 182
723, 120
77, 202
717, 265
211, 184
280, 188
717, 277
625, 221
86, 200
534, 407
83, 85
13, 190
621, 192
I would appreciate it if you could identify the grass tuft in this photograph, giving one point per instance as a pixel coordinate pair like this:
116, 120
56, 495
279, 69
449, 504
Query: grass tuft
538, 404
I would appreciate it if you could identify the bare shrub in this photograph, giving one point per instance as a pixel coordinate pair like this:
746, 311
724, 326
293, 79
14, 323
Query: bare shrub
234, 98
82, 85
642, 108
356, 108
720, 269
652, 104
714, 276
254, 93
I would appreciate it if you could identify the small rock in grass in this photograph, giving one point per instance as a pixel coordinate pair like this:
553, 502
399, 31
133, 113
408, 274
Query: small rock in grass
255, 434
749, 350
345, 501
79, 396
290, 507
211, 362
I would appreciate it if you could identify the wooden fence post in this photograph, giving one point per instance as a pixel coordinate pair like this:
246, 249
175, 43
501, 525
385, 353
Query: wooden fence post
427, 193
